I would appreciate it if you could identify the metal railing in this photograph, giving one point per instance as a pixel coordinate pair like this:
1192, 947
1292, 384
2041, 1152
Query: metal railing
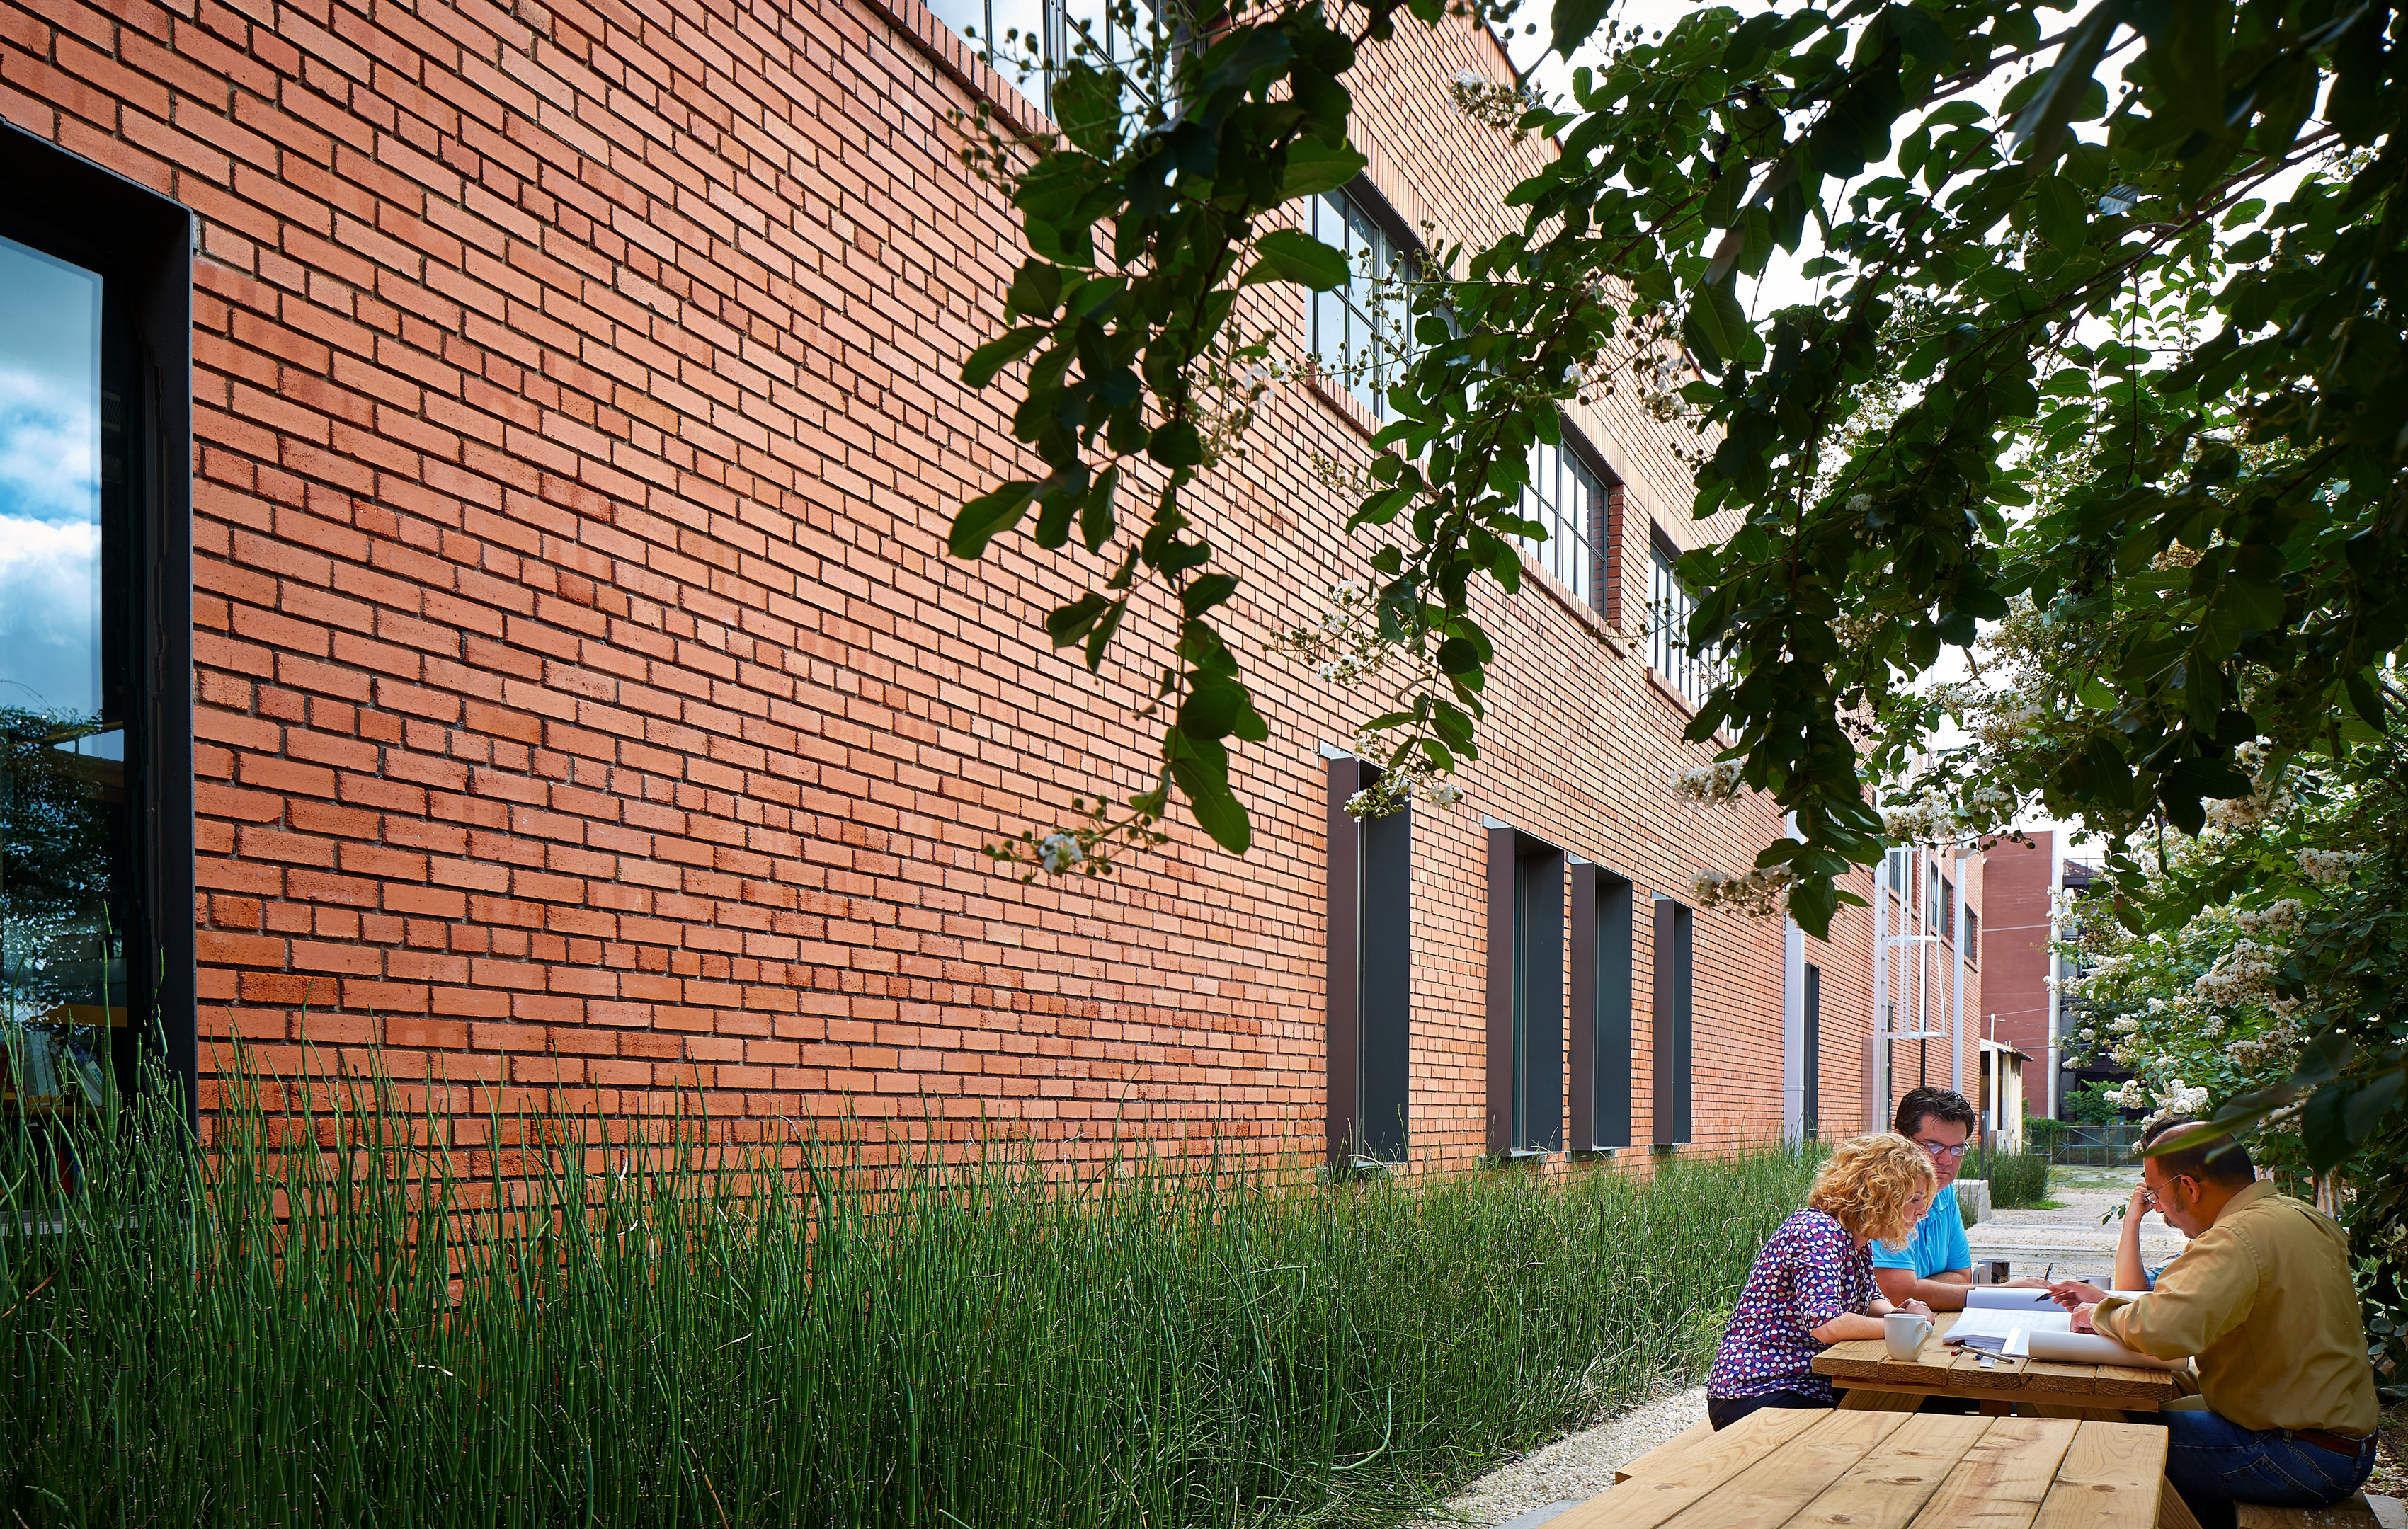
2096, 1146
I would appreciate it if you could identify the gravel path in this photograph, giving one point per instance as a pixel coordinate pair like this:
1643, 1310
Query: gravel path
2071, 1237
1544, 1482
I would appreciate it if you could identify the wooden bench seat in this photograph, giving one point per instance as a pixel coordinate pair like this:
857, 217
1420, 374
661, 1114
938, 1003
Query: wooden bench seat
1664, 1451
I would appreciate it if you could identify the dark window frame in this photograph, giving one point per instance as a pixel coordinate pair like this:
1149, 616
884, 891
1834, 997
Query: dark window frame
1526, 994
1602, 1042
1670, 602
1332, 217
1572, 551
1370, 982
142, 244
1811, 1085
1675, 1003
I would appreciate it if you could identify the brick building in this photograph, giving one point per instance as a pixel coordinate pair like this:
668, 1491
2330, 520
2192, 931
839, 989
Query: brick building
549, 671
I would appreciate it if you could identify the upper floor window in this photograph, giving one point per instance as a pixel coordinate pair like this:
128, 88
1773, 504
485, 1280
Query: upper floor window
1033, 40
1567, 497
1362, 333
1671, 603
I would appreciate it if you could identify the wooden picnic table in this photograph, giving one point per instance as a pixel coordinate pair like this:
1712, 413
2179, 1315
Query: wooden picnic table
1871, 1380
1893, 1470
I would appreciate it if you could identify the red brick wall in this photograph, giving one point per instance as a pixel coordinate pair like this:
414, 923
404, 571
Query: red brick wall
2015, 949
584, 694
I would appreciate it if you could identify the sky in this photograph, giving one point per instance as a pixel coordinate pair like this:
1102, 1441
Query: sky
50, 482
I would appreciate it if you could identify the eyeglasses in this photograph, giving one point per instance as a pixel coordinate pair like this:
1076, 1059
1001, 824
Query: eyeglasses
1945, 1153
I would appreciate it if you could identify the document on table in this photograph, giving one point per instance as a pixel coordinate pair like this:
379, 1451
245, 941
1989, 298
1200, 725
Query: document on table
2007, 1330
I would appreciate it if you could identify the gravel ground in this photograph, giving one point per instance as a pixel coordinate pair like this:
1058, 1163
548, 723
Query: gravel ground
1574, 1469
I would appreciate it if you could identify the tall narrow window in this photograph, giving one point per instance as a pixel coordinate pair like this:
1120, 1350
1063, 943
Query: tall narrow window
1814, 1101
1361, 333
1674, 939
1600, 1009
95, 728
1670, 604
1567, 497
1525, 994
1370, 974
1972, 937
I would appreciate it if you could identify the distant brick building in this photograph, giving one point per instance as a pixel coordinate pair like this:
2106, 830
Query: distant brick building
553, 641
2021, 1009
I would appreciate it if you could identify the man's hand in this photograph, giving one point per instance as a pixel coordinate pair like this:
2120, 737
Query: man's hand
1914, 1308
2082, 1317
2026, 1282
2069, 1294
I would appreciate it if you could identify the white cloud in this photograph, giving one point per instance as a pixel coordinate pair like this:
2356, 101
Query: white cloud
50, 449
50, 613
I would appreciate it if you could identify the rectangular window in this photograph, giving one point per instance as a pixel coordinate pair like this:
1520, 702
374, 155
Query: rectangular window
1362, 333
1525, 994
1670, 605
1567, 497
1947, 907
1814, 1101
1973, 938
1030, 41
1600, 1008
96, 632
1370, 974
1674, 937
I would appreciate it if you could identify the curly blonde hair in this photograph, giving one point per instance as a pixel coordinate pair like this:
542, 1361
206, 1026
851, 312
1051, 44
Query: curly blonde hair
1876, 1186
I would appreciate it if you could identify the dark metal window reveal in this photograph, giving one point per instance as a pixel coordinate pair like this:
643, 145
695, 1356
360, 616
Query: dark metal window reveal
1601, 1054
1370, 975
1810, 1122
1674, 938
95, 633
1525, 994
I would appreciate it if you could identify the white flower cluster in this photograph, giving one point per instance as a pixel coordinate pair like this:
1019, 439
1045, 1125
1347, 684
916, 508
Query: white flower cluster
2283, 917
1927, 819
2242, 973
2276, 1046
1715, 782
1344, 644
1399, 783
2127, 1025
2174, 1099
2326, 866
2240, 814
1760, 892
1059, 851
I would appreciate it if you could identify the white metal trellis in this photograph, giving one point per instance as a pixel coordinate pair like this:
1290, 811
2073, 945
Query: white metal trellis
1919, 968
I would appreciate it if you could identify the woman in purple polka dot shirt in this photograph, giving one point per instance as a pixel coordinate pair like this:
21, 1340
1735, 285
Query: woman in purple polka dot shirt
1813, 1284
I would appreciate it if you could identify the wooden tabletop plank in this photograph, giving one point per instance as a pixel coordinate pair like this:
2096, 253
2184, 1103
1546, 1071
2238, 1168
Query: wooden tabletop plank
2110, 1479
1777, 1486
1855, 1357
2003, 1479
1655, 1494
1890, 1484
2125, 1381
1967, 1373
2062, 1379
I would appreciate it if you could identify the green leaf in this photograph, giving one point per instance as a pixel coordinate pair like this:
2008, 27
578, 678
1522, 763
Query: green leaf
1314, 166
1066, 624
1086, 102
1290, 254
1001, 351
1571, 24
1716, 326
2044, 117
988, 517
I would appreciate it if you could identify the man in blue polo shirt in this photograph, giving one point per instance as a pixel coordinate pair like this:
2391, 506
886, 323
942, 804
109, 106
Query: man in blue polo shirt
1936, 1265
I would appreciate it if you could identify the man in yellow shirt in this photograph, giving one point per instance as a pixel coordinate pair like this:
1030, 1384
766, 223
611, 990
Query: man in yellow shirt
2262, 1297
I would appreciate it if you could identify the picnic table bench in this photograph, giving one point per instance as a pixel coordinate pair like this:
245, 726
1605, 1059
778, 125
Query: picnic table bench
1892, 1470
1871, 1379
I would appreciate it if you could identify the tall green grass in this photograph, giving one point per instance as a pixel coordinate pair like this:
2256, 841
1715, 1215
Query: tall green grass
341, 1321
2018, 1180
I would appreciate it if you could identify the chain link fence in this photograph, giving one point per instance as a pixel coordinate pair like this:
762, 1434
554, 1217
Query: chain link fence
2092, 1146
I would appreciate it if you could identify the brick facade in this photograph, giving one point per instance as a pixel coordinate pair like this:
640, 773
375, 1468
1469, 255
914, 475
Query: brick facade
584, 696
2015, 949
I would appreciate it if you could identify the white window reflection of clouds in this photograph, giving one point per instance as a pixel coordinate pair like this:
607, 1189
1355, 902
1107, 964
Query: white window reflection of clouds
50, 483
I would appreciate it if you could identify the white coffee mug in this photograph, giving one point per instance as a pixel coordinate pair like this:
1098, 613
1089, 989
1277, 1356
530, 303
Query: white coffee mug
1904, 1332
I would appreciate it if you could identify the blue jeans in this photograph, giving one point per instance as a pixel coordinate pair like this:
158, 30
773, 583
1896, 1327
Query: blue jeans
2215, 1463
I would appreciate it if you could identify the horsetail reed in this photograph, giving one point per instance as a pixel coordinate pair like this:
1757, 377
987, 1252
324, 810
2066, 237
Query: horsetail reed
335, 1319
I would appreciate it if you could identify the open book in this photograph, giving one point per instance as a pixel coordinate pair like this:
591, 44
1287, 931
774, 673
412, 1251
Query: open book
2028, 1324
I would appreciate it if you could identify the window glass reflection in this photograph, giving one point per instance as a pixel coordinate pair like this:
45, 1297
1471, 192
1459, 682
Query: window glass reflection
62, 786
